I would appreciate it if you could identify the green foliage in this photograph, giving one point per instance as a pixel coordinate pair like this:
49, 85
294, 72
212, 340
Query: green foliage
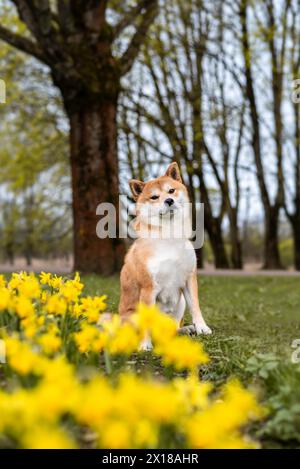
34, 178
286, 248
280, 381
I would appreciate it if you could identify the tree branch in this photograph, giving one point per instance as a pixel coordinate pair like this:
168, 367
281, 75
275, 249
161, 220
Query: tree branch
128, 58
40, 20
65, 17
129, 17
22, 43
27, 16
139, 138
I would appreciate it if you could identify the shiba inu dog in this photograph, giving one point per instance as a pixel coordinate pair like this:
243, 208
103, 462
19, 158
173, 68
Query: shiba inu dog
161, 266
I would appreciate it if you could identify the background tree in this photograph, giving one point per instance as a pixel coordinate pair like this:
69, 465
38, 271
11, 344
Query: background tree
271, 209
80, 42
35, 181
183, 100
292, 182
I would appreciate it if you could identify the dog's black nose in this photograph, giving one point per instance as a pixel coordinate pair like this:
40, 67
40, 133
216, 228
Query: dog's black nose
169, 202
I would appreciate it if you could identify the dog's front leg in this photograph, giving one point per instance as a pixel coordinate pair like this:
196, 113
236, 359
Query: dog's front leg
190, 292
147, 296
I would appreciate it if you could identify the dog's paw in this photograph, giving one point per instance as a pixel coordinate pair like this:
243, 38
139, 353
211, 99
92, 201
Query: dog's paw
145, 346
187, 330
203, 329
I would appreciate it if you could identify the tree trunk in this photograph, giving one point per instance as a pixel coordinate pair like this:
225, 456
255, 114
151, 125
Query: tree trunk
94, 168
217, 244
236, 245
236, 253
296, 236
212, 226
10, 255
192, 195
199, 257
271, 251
28, 258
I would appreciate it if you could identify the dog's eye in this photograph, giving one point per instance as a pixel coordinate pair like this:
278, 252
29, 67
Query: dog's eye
154, 197
171, 191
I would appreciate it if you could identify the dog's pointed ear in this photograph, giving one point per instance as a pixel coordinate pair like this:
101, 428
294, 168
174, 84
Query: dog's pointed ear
173, 172
136, 188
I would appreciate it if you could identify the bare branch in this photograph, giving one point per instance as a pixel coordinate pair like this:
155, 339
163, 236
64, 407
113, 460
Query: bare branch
27, 16
129, 56
22, 43
129, 17
139, 138
42, 23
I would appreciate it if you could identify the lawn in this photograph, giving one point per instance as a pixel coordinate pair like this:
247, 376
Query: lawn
254, 322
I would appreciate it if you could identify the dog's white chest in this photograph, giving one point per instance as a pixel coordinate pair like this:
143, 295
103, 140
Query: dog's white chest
170, 265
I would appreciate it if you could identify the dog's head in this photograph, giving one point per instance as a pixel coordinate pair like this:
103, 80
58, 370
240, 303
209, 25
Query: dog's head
162, 199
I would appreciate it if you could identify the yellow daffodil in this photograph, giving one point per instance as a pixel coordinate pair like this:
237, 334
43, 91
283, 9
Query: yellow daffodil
46, 437
2, 281
45, 295
90, 339
30, 326
49, 389
56, 305
182, 352
50, 343
71, 289
23, 306
55, 281
45, 278
117, 435
15, 280
29, 287
5, 297
193, 392
91, 307
20, 356
126, 340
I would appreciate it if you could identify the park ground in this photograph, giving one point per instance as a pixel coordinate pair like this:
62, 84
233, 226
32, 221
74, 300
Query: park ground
255, 321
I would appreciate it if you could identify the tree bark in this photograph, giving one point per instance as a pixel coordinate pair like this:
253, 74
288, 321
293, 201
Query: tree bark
271, 250
214, 231
296, 233
9, 251
94, 169
212, 226
192, 195
236, 245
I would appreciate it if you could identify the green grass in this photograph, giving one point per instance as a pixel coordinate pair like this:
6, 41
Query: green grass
254, 321
247, 314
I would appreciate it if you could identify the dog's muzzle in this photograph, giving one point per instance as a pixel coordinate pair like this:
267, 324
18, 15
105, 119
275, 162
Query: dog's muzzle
169, 202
